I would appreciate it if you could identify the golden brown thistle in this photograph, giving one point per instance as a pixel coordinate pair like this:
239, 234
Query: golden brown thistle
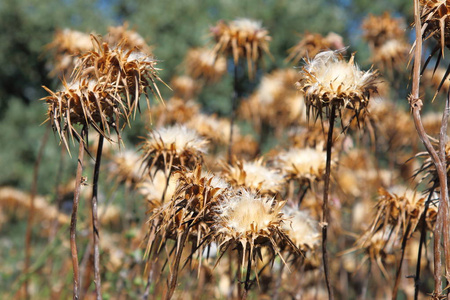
105, 88
174, 110
391, 55
243, 39
380, 29
303, 230
307, 164
248, 222
328, 80
173, 146
66, 46
185, 87
190, 209
127, 39
125, 167
254, 176
203, 63
313, 43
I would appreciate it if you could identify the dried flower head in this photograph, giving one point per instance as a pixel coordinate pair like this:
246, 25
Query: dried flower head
254, 176
106, 87
304, 164
328, 80
391, 55
174, 110
213, 128
156, 190
276, 101
185, 87
249, 222
203, 63
121, 36
173, 146
242, 38
303, 230
435, 17
66, 46
379, 29
125, 167
190, 210
313, 43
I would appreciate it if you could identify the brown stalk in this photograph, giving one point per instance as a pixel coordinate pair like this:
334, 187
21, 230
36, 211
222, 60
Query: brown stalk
442, 220
248, 282
95, 223
31, 211
326, 213
400, 264
73, 220
172, 283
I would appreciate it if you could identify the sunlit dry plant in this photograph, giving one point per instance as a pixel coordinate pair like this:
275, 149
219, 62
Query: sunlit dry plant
276, 101
437, 80
203, 63
254, 176
66, 46
329, 81
303, 230
157, 190
249, 223
313, 43
213, 128
185, 87
121, 36
106, 88
173, 146
125, 167
174, 110
307, 164
380, 29
399, 212
391, 55
188, 216
243, 39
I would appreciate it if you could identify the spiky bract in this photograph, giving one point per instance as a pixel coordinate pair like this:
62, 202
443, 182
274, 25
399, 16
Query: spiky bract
241, 38
328, 80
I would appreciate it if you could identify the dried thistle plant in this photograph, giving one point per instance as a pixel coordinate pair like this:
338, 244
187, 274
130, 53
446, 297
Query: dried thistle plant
306, 165
250, 224
185, 87
187, 216
106, 88
173, 111
121, 36
173, 146
204, 64
243, 39
66, 46
301, 228
254, 176
125, 167
329, 81
313, 43
380, 29
276, 102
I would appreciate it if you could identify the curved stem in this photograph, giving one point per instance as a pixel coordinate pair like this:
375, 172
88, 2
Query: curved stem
95, 223
326, 214
73, 220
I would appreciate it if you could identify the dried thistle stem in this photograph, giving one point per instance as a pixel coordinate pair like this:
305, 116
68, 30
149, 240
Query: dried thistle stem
172, 283
442, 220
73, 220
95, 223
400, 264
326, 214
